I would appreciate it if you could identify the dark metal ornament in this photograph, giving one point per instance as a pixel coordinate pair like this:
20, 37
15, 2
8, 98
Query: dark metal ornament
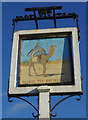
36, 116
28, 103
46, 13
61, 102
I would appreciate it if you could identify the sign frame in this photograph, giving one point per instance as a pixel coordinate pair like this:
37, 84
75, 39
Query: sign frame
33, 90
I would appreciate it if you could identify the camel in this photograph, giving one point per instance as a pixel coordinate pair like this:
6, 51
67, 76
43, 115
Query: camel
42, 59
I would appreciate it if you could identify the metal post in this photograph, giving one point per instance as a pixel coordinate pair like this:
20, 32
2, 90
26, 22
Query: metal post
44, 102
35, 19
54, 18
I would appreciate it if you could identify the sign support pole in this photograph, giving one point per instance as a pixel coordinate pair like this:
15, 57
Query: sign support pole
44, 102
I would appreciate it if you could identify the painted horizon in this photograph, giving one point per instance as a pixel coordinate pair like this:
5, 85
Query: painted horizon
62, 49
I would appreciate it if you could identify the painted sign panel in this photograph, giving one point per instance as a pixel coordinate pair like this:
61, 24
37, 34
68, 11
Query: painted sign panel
45, 61
59, 48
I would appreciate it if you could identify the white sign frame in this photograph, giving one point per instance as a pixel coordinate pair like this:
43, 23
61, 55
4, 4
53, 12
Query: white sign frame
33, 90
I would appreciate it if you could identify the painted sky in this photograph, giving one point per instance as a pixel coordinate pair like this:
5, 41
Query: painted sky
70, 108
62, 48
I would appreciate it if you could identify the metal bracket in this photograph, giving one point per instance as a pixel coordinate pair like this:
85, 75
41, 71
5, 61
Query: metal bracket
60, 102
46, 13
35, 116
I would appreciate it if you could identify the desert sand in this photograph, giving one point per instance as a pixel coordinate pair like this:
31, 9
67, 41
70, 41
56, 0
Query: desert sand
56, 72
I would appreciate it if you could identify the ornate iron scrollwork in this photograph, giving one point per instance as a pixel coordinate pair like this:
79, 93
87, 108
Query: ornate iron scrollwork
26, 102
78, 98
45, 13
9, 99
61, 102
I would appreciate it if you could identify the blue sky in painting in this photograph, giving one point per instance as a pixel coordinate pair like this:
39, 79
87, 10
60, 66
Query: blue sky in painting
19, 109
62, 48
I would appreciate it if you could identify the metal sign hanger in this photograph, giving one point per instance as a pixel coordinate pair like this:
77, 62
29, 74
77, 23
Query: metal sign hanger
45, 13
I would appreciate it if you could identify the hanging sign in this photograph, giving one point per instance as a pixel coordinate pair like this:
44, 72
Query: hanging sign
45, 57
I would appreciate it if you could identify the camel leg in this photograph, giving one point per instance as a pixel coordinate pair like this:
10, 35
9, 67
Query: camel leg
44, 69
34, 69
30, 64
29, 69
